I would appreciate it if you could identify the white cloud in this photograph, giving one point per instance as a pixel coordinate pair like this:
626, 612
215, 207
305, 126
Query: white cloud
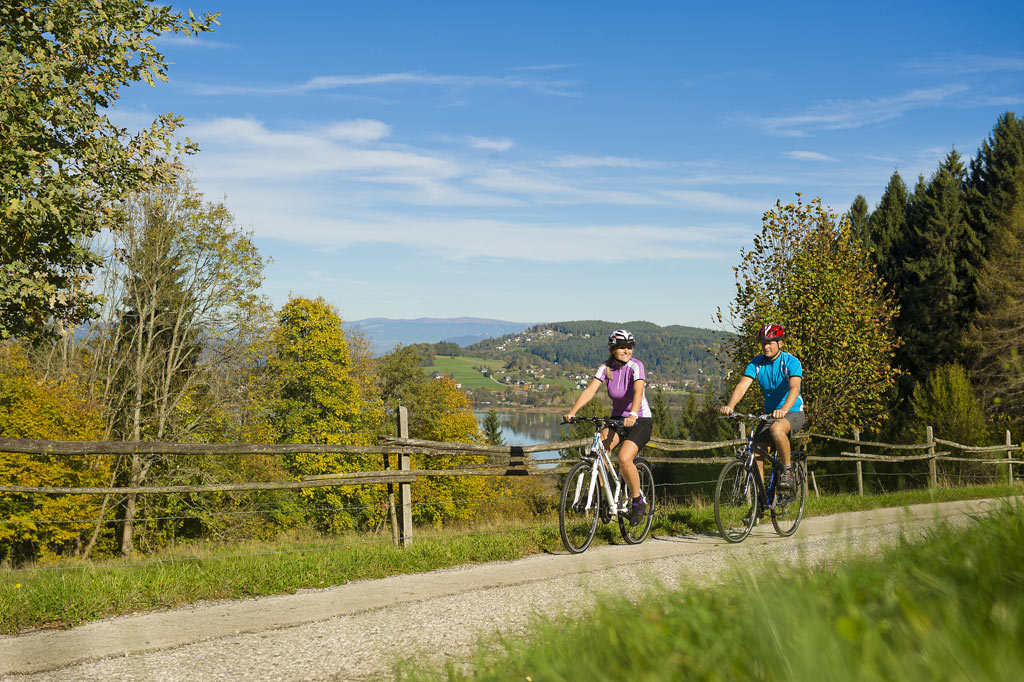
846, 114
359, 130
809, 156
493, 144
562, 88
716, 201
244, 148
572, 161
962, 64
469, 238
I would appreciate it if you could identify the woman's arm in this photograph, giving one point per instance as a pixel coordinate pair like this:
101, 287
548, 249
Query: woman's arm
585, 397
638, 401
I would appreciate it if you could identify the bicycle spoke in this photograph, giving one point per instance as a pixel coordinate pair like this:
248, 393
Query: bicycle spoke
735, 502
577, 523
789, 506
636, 534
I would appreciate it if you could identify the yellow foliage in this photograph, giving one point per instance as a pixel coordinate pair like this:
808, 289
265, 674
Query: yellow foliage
42, 526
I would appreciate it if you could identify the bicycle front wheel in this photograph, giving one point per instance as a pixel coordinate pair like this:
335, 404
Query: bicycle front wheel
735, 502
789, 506
577, 512
634, 535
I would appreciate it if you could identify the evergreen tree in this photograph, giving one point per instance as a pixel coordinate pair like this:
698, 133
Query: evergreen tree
993, 186
858, 216
939, 298
664, 422
997, 337
492, 429
887, 232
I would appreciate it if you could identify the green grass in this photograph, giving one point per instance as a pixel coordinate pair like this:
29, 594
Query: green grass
950, 607
462, 370
68, 594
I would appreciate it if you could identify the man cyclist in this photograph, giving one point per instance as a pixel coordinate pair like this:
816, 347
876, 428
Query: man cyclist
625, 378
779, 374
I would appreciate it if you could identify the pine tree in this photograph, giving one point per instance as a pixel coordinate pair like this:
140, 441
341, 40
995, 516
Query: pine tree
939, 299
492, 429
887, 232
858, 216
993, 186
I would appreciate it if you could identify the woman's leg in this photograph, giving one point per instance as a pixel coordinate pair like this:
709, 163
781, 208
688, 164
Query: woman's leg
626, 454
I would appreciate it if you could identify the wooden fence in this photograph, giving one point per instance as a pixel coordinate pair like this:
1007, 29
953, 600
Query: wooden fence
501, 461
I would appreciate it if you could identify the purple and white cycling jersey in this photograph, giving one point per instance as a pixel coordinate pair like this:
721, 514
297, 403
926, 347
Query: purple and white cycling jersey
619, 380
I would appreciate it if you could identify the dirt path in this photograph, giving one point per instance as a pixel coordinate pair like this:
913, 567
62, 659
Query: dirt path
359, 630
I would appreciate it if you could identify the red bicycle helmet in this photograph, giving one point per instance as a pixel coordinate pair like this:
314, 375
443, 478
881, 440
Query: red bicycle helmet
771, 332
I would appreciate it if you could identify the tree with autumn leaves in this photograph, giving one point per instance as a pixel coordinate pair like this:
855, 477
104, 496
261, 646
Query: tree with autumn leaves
42, 526
810, 271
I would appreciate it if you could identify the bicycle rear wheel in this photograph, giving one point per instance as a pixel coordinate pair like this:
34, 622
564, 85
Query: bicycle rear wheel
789, 506
576, 523
735, 502
634, 535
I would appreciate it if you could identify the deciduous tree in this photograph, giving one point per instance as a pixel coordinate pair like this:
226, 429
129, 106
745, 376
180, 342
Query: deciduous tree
34, 527
808, 272
66, 167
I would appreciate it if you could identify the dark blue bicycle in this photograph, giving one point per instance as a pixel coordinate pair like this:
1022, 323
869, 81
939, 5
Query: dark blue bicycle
742, 496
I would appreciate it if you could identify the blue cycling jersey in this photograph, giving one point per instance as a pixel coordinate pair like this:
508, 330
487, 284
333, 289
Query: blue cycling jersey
773, 377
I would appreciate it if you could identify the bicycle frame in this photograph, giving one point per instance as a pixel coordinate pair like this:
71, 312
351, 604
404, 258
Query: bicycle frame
602, 471
750, 464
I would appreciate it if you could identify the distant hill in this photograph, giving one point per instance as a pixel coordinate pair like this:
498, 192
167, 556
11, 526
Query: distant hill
672, 353
386, 333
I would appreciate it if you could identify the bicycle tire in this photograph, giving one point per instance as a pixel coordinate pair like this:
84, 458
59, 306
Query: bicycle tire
578, 526
735, 502
786, 516
634, 535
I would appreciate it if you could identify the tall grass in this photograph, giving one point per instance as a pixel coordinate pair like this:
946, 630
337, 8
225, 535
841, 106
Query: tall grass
949, 607
67, 594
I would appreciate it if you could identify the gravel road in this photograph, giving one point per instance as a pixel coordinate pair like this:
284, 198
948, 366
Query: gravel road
360, 630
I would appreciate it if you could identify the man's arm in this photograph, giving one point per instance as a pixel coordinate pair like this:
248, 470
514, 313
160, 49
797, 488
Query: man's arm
737, 395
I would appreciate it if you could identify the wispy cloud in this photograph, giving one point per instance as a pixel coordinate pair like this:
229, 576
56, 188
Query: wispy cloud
199, 43
469, 238
716, 201
561, 88
603, 162
809, 156
845, 114
494, 144
359, 130
962, 64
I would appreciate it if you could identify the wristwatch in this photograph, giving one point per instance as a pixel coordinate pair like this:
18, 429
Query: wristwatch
633, 414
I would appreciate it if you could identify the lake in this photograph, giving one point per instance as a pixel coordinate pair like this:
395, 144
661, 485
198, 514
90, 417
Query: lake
526, 427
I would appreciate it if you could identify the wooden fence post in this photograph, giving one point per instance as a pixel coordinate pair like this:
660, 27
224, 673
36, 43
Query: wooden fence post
405, 489
1009, 456
743, 431
933, 474
860, 465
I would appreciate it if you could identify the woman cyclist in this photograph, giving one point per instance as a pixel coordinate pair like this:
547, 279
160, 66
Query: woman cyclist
625, 378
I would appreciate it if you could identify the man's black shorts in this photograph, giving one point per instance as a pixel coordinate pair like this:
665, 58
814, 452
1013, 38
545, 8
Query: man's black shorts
639, 433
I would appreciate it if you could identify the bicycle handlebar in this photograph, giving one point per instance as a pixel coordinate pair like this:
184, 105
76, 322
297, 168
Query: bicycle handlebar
746, 415
600, 421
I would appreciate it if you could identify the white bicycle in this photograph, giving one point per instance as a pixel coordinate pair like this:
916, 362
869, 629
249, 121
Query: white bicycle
594, 491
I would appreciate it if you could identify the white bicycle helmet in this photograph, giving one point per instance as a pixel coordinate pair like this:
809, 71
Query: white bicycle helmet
621, 337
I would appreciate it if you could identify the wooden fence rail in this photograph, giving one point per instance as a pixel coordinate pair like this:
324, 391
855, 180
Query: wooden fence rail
503, 460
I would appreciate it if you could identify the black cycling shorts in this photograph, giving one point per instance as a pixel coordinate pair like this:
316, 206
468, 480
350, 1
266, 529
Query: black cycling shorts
639, 433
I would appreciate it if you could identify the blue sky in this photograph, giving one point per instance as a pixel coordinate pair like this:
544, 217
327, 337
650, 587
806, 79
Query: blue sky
540, 161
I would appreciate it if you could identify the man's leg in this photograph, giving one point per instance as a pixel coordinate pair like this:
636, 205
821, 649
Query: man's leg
780, 436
